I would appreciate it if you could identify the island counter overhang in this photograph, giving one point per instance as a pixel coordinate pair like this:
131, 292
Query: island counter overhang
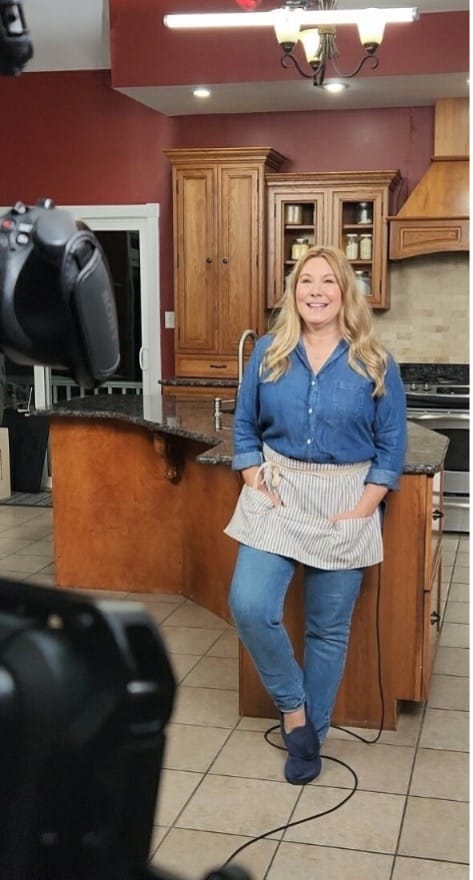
142, 490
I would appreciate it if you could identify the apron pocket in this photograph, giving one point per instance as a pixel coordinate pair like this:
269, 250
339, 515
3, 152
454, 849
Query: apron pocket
253, 501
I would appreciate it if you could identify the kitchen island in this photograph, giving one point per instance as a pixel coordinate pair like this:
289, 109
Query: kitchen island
142, 489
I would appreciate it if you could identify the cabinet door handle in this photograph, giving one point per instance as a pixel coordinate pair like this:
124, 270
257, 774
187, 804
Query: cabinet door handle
437, 514
209, 260
218, 366
434, 617
225, 260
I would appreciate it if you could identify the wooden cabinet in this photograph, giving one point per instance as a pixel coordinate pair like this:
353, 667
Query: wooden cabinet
327, 209
219, 221
415, 578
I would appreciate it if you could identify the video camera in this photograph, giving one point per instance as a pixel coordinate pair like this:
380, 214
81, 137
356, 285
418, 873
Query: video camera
86, 687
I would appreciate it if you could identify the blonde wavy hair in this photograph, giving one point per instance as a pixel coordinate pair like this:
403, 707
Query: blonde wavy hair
365, 354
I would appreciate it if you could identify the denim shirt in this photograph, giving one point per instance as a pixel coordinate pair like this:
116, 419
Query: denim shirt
325, 417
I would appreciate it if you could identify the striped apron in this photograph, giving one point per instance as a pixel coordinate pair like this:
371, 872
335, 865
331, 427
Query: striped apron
300, 528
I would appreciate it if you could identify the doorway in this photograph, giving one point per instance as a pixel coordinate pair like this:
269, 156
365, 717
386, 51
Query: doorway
135, 273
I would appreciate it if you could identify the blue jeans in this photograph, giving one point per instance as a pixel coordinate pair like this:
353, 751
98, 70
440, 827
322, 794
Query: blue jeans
259, 586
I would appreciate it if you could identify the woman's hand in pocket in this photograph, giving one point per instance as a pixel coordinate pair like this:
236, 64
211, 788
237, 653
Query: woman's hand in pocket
250, 477
348, 514
275, 499
367, 505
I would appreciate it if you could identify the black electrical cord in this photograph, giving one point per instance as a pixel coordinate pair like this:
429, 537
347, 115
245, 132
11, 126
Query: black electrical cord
328, 757
301, 821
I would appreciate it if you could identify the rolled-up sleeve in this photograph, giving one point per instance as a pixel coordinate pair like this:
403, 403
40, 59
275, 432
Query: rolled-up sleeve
247, 443
389, 432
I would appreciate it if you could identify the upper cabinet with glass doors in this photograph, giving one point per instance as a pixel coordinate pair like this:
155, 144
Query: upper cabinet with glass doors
348, 210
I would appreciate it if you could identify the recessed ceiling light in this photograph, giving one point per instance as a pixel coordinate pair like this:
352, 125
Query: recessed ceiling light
335, 87
201, 93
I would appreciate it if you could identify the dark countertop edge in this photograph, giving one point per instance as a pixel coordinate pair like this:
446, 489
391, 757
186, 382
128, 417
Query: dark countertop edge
427, 469
211, 456
196, 382
210, 440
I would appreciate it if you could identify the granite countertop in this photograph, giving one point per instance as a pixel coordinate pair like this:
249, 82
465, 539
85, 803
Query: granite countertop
196, 382
193, 418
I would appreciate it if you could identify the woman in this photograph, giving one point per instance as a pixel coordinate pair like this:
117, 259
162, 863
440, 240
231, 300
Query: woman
319, 439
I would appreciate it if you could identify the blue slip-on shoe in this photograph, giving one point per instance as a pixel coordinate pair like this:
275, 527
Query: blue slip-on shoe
303, 763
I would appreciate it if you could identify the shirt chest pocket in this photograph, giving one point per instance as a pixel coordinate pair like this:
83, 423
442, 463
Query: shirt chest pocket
347, 399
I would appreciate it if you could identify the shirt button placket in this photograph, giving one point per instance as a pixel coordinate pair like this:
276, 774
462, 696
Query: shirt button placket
311, 408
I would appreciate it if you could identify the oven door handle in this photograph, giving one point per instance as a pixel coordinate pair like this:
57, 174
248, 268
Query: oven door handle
439, 417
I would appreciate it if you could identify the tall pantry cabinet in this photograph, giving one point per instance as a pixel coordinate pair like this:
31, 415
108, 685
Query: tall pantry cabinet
219, 245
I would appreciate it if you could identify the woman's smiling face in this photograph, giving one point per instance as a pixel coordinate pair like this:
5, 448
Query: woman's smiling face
318, 295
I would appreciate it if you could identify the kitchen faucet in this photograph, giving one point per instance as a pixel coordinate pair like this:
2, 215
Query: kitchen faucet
247, 334
219, 403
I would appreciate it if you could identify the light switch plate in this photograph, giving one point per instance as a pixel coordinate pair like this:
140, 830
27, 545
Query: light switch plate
169, 320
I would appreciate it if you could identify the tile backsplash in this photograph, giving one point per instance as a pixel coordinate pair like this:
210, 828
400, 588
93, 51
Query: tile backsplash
429, 316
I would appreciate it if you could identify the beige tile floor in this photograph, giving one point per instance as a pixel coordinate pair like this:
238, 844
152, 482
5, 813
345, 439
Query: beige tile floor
222, 783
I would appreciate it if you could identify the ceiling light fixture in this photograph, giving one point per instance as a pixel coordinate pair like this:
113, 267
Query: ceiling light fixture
201, 92
335, 87
319, 18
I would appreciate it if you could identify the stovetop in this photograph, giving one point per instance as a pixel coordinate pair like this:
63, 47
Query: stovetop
427, 390
435, 374
437, 385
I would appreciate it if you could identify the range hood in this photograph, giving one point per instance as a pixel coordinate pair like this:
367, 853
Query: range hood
435, 217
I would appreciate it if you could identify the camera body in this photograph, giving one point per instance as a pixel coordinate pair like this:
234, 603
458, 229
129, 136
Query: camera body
16, 48
57, 306
86, 690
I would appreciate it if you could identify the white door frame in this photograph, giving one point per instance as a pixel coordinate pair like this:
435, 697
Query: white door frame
143, 219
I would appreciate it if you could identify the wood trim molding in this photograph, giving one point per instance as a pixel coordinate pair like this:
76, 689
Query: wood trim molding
415, 237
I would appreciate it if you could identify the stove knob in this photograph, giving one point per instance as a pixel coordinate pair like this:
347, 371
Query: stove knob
426, 387
413, 386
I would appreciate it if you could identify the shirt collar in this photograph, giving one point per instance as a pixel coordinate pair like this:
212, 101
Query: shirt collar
340, 349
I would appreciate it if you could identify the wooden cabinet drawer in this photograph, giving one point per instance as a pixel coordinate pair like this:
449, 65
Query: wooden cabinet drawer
432, 619
206, 367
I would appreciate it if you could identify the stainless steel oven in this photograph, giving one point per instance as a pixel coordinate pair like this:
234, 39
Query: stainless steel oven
445, 408
456, 498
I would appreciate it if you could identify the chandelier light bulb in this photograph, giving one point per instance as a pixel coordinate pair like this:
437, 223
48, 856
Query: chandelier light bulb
371, 24
310, 40
286, 27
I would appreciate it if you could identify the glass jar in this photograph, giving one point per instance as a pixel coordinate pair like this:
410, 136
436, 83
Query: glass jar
364, 213
363, 279
293, 215
299, 248
366, 247
351, 249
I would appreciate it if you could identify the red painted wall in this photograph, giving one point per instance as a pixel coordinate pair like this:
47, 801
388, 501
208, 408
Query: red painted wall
332, 140
72, 137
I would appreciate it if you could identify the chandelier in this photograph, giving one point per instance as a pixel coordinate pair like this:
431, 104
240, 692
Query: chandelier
312, 23
319, 43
